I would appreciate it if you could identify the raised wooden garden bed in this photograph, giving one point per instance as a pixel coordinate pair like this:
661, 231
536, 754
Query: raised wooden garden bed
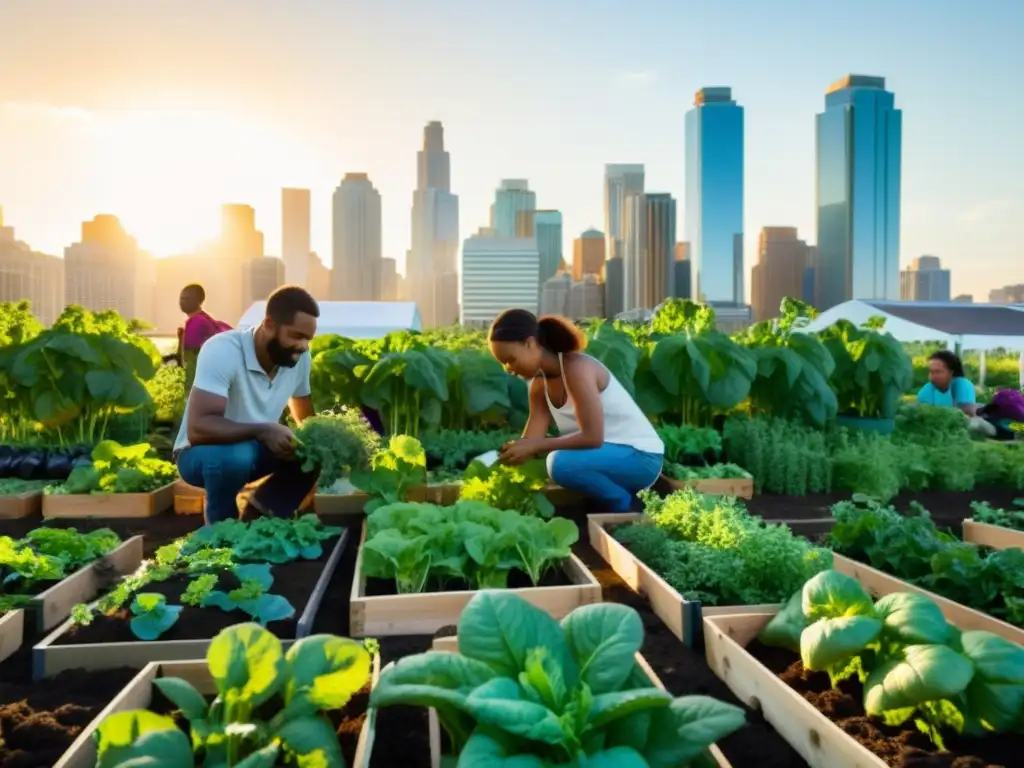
21, 505
12, 631
138, 694
994, 536
443, 495
425, 613
57, 651
451, 645
78, 505
740, 487
879, 583
683, 617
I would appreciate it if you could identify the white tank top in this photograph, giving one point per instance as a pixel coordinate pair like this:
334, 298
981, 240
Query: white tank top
624, 422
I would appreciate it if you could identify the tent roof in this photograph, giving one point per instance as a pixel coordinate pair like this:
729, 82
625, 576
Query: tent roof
354, 319
974, 326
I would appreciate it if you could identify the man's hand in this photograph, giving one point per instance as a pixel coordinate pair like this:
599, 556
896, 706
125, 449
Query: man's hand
279, 439
520, 451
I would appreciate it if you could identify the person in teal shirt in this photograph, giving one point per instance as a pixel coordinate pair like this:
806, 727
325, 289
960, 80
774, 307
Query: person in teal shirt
947, 385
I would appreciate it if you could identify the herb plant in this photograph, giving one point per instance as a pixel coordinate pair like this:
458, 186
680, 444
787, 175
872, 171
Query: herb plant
269, 708
453, 449
529, 691
912, 663
336, 443
983, 512
518, 487
393, 472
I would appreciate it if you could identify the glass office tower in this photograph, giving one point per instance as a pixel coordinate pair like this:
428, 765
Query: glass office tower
714, 196
859, 146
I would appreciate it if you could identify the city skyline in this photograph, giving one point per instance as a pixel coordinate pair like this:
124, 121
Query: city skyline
92, 146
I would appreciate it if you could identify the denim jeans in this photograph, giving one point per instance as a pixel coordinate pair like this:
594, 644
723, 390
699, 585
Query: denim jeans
224, 470
612, 473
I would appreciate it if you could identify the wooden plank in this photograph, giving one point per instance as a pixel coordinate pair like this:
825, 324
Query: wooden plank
54, 604
425, 613
879, 583
48, 659
451, 645
112, 505
340, 503
21, 505
12, 632
138, 694
305, 623
817, 739
740, 487
681, 616
995, 536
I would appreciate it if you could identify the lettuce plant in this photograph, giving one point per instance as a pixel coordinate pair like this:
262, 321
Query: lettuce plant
527, 691
268, 710
251, 596
393, 472
913, 664
505, 487
152, 616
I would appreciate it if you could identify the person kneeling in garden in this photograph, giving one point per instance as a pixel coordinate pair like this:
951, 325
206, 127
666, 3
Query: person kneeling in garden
231, 433
606, 446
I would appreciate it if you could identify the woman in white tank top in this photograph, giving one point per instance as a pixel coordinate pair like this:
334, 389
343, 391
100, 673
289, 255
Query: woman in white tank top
606, 446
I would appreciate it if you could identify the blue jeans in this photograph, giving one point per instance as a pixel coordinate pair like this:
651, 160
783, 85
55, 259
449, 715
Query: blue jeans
612, 473
224, 470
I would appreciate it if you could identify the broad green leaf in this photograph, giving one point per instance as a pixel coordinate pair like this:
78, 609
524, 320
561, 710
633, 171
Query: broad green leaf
995, 696
687, 727
616, 757
499, 703
831, 594
263, 758
141, 739
184, 696
325, 672
607, 707
246, 663
312, 742
912, 619
924, 673
785, 628
604, 638
830, 641
482, 751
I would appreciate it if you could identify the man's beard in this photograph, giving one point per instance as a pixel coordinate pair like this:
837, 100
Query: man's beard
282, 356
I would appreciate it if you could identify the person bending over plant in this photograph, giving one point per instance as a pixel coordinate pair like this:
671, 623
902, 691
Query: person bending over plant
231, 433
606, 446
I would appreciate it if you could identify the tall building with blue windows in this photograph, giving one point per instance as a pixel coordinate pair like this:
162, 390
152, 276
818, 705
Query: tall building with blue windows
859, 145
714, 196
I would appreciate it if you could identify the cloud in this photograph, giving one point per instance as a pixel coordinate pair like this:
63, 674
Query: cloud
636, 78
991, 209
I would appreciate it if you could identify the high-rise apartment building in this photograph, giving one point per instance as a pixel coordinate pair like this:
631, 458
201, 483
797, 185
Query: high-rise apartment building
554, 295
925, 280
714, 196
106, 270
318, 278
588, 254
620, 181
649, 238
514, 209
356, 218
859, 148
586, 299
28, 275
295, 235
781, 270
547, 228
239, 237
388, 280
498, 273
263, 276
431, 265
613, 287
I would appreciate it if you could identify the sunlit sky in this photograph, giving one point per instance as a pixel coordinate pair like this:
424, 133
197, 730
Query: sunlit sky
161, 111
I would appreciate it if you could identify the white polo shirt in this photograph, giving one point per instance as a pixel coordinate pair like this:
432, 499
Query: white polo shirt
227, 367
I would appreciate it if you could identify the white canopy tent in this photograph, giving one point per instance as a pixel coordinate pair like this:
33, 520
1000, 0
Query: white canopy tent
353, 319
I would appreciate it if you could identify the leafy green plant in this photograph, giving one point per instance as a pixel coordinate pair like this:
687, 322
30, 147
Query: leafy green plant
264, 540
454, 449
501, 486
912, 663
199, 589
118, 468
783, 455
21, 566
269, 708
713, 472
983, 512
252, 596
152, 615
689, 445
393, 472
527, 690
336, 443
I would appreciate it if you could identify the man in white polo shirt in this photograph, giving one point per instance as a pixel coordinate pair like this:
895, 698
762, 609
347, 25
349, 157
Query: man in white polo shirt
231, 433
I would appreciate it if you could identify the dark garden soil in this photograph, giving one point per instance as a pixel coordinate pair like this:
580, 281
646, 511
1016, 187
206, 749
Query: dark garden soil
294, 581
901, 747
158, 530
38, 721
554, 577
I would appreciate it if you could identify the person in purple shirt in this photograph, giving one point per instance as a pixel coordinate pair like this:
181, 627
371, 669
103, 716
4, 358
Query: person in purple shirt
199, 328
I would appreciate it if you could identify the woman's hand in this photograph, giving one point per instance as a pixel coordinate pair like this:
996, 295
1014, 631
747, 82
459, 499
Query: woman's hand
520, 451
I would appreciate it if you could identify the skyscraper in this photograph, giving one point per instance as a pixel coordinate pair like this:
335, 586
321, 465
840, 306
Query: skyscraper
295, 246
859, 146
925, 280
649, 237
27, 274
431, 264
714, 195
782, 263
620, 180
588, 254
355, 274
498, 273
547, 228
513, 209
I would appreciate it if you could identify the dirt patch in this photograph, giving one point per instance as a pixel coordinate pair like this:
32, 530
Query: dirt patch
38, 721
901, 747
294, 581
